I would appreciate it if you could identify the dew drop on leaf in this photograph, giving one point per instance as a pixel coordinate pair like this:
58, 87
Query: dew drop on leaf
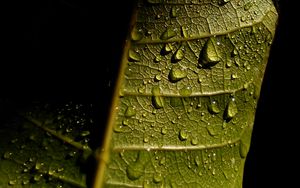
168, 34
185, 91
174, 12
243, 149
209, 55
136, 169
157, 59
37, 177
163, 131
178, 55
157, 100
157, 178
7, 155
214, 108
157, 77
223, 2
194, 141
167, 48
183, 135
12, 182
130, 111
136, 35
247, 6
133, 56
231, 109
177, 74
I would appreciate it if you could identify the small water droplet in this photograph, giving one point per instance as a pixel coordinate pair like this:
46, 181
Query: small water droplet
209, 55
157, 77
174, 12
214, 108
133, 56
184, 32
194, 141
248, 5
7, 155
157, 178
183, 135
118, 129
130, 111
234, 76
136, 35
162, 161
12, 182
177, 74
243, 149
167, 48
243, 19
168, 34
178, 55
146, 139
163, 131
25, 182
223, 2
157, 59
37, 177
231, 109
234, 52
84, 133
211, 131
157, 100
185, 91
38, 165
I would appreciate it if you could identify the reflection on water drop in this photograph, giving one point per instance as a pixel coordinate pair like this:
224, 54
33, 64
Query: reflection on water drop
167, 48
136, 169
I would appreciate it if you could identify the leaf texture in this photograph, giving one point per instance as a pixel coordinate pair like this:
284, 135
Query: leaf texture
187, 95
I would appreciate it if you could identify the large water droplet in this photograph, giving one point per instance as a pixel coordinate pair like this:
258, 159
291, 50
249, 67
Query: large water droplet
130, 111
136, 169
133, 55
177, 74
231, 109
167, 34
185, 91
183, 135
209, 55
214, 108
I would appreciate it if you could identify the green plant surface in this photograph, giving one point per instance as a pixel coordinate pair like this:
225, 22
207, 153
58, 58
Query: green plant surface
187, 93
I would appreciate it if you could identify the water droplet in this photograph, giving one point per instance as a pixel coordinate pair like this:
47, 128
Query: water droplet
197, 161
185, 91
234, 76
146, 139
7, 155
177, 74
157, 100
214, 108
174, 12
157, 77
130, 111
244, 148
247, 6
231, 109
118, 129
157, 177
243, 19
12, 182
167, 48
223, 2
234, 52
184, 32
25, 182
162, 161
163, 131
157, 59
211, 131
195, 141
38, 165
209, 55
178, 55
136, 169
168, 34
84, 133
133, 56
176, 102
183, 135
37, 177
136, 35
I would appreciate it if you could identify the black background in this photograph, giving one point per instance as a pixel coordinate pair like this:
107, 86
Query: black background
70, 49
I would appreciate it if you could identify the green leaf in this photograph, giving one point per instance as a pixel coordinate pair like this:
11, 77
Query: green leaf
46, 146
194, 89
